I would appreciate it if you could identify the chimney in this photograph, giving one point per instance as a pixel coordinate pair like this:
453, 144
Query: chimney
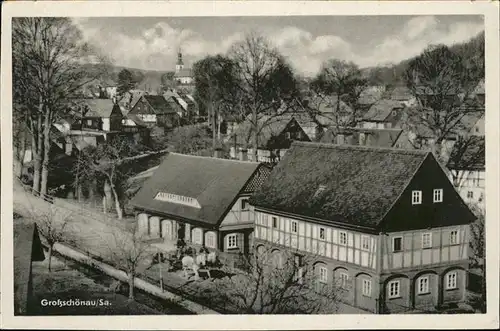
243, 154
218, 152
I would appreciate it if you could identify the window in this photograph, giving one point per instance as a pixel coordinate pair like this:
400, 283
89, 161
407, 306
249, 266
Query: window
294, 226
231, 241
89, 122
416, 197
343, 238
210, 240
451, 280
367, 287
322, 233
426, 240
244, 204
470, 195
344, 280
394, 289
288, 135
197, 234
275, 222
323, 274
423, 285
365, 243
397, 244
438, 195
454, 237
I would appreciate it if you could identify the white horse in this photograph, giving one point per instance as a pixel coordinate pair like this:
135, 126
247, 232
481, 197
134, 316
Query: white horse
188, 262
212, 258
201, 259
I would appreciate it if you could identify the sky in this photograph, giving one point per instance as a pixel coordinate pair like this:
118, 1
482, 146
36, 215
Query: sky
306, 41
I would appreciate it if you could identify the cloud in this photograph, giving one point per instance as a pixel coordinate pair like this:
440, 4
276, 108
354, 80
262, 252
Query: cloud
417, 34
156, 46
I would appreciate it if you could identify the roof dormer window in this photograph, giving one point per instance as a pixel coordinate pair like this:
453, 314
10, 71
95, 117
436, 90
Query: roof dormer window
320, 190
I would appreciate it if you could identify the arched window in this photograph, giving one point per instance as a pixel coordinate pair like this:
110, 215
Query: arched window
210, 240
197, 236
277, 259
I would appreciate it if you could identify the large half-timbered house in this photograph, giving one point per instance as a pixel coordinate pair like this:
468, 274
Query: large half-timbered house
202, 200
384, 225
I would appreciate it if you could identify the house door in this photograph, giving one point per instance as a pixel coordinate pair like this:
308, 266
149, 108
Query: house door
181, 231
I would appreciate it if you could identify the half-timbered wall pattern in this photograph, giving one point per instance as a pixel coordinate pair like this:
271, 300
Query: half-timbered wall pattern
413, 254
341, 245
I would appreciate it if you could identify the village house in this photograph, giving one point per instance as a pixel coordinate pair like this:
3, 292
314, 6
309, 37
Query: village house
377, 228
202, 200
155, 110
467, 169
402, 94
183, 75
362, 137
384, 114
274, 138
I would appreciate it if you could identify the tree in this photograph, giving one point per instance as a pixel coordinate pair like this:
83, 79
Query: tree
126, 82
189, 140
48, 71
478, 246
338, 86
216, 80
279, 283
113, 162
266, 84
129, 252
443, 82
53, 226
467, 156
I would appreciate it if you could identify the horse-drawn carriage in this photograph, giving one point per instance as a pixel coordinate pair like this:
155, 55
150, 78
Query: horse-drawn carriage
185, 258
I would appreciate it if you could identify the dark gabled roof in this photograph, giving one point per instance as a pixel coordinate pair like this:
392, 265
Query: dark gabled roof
361, 184
401, 93
386, 138
159, 104
102, 108
214, 183
468, 154
269, 127
27, 248
381, 110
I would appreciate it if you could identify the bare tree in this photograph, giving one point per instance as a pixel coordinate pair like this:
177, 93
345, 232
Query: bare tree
478, 246
443, 84
53, 226
129, 252
280, 283
49, 60
467, 156
266, 84
338, 87
215, 78
113, 161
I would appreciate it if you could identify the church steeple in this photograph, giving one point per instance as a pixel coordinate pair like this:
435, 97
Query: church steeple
180, 64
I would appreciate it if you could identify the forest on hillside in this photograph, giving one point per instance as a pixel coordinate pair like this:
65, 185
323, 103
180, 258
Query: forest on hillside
472, 51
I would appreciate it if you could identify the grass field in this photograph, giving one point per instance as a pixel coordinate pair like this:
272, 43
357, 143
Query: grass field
67, 282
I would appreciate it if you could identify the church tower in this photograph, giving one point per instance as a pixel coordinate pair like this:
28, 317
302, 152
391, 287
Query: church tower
180, 64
